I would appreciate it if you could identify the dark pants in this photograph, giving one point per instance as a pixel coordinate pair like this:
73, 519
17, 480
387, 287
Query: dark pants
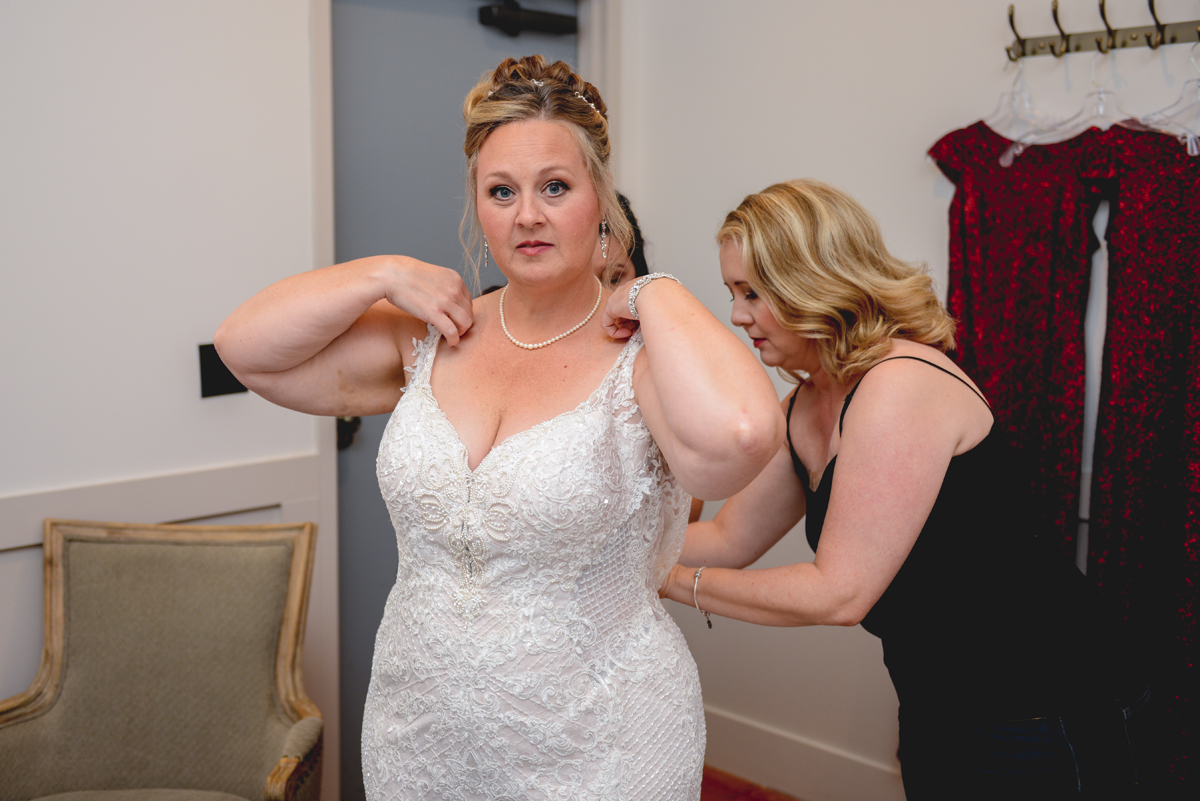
1090, 754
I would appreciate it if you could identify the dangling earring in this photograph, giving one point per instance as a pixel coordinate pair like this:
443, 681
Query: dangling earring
485, 253
604, 239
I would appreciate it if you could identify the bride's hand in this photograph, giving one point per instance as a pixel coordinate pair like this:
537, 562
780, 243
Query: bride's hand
433, 294
615, 317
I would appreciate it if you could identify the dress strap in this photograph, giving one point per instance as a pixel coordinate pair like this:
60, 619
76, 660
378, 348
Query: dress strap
423, 353
846, 402
797, 465
627, 355
619, 381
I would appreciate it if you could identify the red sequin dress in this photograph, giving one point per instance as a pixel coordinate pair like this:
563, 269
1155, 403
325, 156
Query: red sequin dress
1144, 533
1020, 259
1021, 244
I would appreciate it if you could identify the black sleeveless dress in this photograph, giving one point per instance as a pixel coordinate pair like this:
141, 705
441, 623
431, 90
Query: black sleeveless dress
985, 618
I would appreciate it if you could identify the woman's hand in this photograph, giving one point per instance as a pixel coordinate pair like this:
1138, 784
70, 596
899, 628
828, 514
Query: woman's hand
665, 590
615, 317
433, 294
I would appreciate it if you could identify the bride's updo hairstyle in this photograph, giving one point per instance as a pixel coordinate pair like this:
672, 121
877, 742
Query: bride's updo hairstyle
818, 259
530, 89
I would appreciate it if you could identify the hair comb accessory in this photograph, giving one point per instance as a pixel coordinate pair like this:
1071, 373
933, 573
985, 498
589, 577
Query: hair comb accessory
536, 82
585, 100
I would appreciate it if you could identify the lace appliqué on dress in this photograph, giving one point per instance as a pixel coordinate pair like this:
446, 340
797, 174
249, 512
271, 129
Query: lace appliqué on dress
467, 544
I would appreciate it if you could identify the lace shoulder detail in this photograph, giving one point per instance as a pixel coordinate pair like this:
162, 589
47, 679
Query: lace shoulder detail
423, 351
625, 407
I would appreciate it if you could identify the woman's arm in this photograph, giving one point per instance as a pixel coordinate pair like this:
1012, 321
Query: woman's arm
906, 423
708, 402
333, 341
752, 521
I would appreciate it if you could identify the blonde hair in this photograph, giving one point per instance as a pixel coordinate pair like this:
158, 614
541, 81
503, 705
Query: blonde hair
818, 259
530, 89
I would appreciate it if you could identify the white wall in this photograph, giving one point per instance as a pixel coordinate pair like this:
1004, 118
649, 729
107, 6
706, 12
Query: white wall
713, 100
157, 162
161, 162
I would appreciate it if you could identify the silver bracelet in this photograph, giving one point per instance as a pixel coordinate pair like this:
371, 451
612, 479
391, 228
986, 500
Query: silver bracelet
637, 287
695, 586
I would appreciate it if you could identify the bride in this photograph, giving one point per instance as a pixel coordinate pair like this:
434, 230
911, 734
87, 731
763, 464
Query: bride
543, 444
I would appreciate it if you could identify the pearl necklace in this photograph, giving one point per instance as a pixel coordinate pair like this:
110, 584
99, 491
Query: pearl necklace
551, 341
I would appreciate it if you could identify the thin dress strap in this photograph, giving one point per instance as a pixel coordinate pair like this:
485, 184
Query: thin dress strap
846, 402
620, 381
423, 353
797, 465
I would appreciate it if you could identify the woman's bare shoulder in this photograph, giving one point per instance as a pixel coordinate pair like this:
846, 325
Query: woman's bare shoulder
903, 394
927, 353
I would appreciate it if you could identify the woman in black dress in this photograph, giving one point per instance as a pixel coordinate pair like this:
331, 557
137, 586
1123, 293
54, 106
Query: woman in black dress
1011, 684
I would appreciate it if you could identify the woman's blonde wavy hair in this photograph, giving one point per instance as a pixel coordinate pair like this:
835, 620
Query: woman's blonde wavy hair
530, 89
818, 259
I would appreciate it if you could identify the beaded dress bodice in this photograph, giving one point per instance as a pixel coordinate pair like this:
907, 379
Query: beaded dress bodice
523, 652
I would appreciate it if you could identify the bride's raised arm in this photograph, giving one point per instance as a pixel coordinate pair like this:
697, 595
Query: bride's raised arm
334, 341
708, 402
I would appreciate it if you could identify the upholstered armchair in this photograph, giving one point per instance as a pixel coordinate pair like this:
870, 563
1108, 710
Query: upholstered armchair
171, 669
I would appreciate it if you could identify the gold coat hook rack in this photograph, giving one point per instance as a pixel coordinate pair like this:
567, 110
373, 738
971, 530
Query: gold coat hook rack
1060, 44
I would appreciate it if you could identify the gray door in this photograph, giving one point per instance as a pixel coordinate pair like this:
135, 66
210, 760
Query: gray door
400, 71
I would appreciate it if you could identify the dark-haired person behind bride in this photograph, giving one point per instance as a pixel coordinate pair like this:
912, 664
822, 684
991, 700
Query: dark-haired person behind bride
1012, 683
632, 263
543, 443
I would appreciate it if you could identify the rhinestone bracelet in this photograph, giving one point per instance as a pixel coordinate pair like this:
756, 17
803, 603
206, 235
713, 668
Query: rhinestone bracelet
637, 287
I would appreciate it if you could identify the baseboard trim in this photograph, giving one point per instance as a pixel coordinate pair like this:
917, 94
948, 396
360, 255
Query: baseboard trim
793, 764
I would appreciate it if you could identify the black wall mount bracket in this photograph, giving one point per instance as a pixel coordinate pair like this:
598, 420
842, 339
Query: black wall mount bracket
512, 19
215, 378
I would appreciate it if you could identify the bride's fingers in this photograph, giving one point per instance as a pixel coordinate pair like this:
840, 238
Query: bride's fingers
437, 295
462, 317
615, 318
448, 328
619, 328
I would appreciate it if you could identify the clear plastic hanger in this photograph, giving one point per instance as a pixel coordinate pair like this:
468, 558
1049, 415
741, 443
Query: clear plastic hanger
1014, 116
1182, 118
1100, 110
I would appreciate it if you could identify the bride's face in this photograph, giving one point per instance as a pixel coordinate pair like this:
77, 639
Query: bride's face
536, 201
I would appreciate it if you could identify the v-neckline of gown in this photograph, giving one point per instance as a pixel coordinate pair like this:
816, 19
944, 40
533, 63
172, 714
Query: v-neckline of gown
462, 447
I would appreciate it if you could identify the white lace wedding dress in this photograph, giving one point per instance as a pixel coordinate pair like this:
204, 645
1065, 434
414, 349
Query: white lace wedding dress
523, 652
